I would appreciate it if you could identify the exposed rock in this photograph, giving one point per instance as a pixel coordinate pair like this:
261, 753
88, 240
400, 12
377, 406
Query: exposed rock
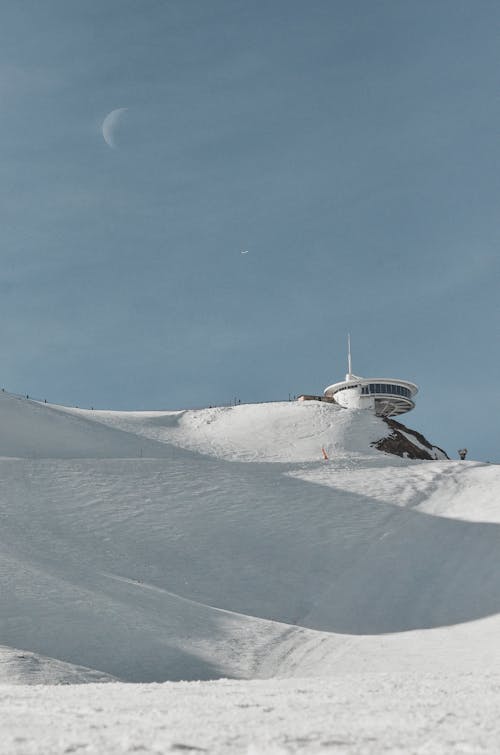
408, 443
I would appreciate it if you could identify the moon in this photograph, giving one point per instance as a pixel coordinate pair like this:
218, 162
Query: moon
109, 125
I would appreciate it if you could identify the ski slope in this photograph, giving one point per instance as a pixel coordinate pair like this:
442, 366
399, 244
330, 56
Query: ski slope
200, 545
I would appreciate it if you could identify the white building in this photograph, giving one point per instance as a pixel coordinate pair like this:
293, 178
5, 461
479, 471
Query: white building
387, 397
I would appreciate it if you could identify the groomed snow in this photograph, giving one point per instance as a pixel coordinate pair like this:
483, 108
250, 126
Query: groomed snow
198, 545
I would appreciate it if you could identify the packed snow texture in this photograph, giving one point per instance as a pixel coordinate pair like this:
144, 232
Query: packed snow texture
421, 714
274, 432
198, 545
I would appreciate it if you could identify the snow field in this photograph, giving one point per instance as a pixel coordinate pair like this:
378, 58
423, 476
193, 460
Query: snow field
354, 603
425, 714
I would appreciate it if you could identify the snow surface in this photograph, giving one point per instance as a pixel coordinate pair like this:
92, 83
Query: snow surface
198, 545
429, 714
22, 667
274, 432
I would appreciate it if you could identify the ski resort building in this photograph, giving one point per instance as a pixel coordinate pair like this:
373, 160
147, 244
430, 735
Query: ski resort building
387, 397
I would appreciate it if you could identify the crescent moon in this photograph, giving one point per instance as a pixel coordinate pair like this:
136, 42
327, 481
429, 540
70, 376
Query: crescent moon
109, 125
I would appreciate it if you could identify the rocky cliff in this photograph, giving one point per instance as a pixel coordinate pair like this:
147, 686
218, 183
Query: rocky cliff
402, 441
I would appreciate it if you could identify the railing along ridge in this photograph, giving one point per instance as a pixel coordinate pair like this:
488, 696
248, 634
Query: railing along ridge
38, 400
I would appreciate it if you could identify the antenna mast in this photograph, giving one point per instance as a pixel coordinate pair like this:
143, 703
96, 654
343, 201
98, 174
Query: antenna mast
349, 364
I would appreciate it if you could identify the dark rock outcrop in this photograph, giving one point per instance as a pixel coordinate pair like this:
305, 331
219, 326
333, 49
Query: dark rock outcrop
408, 443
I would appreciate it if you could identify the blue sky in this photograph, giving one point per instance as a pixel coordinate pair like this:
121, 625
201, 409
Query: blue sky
350, 147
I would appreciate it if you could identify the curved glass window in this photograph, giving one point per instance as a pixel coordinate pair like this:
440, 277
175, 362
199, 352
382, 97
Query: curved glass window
373, 388
396, 390
346, 388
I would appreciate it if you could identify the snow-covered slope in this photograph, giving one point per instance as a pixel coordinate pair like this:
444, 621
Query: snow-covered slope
171, 545
22, 667
274, 432
277, 432
33, 430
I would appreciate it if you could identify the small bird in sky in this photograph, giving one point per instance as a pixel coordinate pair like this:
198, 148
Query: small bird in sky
245, 252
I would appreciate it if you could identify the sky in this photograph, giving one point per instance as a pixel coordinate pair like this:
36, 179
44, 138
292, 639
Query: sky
351, 148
